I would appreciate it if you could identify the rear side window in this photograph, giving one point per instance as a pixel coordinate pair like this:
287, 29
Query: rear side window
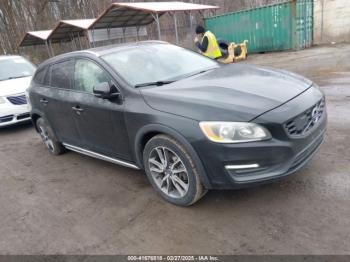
62, 74
40, 76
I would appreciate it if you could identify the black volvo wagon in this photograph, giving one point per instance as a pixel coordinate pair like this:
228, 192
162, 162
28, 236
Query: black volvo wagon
191, 123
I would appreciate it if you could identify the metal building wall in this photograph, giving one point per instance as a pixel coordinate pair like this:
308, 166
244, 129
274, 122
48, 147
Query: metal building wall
331, 21
304, 24
275, 27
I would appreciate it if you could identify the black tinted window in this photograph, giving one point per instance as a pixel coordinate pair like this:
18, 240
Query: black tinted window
47, 77
62, 74
40, 76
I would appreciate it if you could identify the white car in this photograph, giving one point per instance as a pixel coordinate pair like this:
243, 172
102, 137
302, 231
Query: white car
15, 75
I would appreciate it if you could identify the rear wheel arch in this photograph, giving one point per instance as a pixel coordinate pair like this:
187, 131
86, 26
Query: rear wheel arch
148, 132
35, 116
48, 137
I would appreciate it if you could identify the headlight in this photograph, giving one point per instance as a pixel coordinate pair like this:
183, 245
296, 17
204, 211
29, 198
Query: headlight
28, 100
2, 100
234, 132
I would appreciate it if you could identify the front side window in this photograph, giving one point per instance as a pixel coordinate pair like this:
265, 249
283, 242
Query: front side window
87, 75
17, 67
62, 74
160, 62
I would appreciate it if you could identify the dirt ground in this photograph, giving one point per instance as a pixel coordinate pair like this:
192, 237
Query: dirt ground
73, 204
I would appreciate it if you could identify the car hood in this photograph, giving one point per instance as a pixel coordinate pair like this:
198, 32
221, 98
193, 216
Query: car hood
14, 86
236, 92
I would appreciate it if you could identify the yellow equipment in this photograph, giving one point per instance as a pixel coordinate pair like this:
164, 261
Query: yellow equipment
232, 58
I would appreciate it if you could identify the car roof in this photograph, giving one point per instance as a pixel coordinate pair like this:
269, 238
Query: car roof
100, 51
103, 50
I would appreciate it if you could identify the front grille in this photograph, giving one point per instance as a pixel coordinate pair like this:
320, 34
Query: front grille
4, 119
23, 116
17, 100
306, 154
304, 123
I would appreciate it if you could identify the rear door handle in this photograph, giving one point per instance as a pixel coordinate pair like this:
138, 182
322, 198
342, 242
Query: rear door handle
44, 101
77, 109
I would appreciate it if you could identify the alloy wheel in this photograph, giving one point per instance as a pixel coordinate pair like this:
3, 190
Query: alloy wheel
169, 172
46, 138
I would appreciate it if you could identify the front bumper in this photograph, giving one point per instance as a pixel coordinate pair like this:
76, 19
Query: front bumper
231, 166
266, 172
13, 114
262, 161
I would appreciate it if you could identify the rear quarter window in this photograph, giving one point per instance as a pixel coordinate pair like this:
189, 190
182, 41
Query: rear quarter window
39, 76
47, 77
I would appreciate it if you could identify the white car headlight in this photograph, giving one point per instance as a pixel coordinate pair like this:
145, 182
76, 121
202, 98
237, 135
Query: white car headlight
28, 100
234, 132
2, 100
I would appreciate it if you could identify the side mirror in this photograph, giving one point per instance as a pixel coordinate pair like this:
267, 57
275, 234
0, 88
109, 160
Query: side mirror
106, 91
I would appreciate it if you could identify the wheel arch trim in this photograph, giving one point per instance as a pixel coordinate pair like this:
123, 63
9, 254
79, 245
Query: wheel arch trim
33, 113
161, 129
41, 115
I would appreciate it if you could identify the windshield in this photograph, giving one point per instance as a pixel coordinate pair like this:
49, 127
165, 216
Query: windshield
17, 67
156, 63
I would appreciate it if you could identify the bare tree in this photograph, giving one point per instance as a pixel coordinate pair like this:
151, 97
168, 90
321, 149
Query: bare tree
19, 16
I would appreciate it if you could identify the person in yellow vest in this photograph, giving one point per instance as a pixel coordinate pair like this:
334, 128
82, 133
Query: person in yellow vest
207, 43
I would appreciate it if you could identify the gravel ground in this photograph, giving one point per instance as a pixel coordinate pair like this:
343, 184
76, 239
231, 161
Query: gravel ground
73, 204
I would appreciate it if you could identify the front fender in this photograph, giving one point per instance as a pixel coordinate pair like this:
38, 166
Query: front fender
161, 129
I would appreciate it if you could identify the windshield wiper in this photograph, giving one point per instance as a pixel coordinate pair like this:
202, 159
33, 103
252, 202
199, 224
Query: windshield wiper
200, 72
165, 82
156, 83
195, 73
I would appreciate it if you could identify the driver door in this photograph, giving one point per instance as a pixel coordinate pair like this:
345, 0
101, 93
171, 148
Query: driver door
100, 122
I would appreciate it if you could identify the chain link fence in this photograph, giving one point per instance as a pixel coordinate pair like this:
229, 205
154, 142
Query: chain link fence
19, 16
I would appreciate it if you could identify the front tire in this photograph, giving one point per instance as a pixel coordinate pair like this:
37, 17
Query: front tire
172, 171
48, 138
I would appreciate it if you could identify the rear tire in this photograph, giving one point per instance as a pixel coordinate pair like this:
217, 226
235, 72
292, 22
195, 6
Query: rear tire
48, 137
172, 171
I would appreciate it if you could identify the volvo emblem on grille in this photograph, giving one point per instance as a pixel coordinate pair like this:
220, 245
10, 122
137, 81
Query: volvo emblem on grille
307, 120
